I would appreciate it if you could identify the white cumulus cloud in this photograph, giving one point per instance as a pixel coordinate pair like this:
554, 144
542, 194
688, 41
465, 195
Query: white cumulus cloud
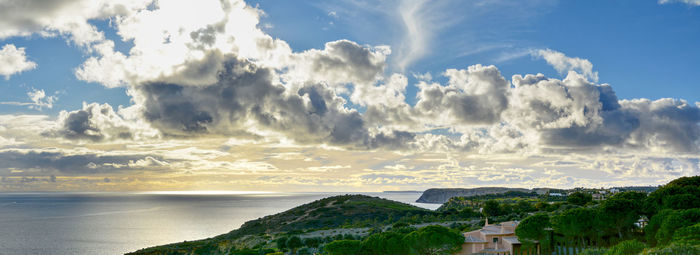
64, 17
14, 60
564, 64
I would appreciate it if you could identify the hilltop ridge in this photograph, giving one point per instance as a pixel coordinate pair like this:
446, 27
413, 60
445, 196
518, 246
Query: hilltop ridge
331, 212
441, 195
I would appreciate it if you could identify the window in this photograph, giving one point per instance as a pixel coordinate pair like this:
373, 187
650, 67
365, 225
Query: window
495, 239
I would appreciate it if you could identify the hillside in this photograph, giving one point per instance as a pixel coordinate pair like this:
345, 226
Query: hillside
439, 196
459, 203
331, 212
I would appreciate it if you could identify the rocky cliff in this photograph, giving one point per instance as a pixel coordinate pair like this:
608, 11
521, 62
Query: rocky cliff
439, 196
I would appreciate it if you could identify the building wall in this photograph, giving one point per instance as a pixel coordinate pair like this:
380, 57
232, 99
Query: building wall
471, 248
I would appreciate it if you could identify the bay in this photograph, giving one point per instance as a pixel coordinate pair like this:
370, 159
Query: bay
116, 223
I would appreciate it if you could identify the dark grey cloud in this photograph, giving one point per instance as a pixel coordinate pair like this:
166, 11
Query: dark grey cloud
19, 16
72, 163
340, 62
345, 54
576, 113
265, 88
476, 96
615, 128
249, 100
93, 122
569, 113
665, 124
246, 100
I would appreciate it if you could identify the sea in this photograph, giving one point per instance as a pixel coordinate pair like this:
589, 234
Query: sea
116, 223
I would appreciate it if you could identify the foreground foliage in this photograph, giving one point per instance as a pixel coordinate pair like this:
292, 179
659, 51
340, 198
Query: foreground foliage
347, 211
563, 225
673, 227
434, 240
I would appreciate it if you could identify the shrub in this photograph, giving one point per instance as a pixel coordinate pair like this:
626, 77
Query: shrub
343, 247
386, 243
593, 251
688, 235
434, 240
579, 198
281, 242
294, 242
304, 251
674, 249
629, 247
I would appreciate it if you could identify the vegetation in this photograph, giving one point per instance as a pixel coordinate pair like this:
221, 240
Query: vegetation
388, 243
629, 247
574, 224
594, 251
348, 211
534, 229
344, 247
435, 240
333, 212
475, 202
673, 249
614, 226
579, 198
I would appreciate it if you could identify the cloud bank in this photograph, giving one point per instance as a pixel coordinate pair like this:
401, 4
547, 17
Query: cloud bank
216, 75
220, 75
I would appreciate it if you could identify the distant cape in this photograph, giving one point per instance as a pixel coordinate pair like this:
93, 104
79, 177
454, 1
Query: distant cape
439, 196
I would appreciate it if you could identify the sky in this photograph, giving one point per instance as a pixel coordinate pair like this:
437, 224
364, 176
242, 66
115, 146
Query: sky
347, 95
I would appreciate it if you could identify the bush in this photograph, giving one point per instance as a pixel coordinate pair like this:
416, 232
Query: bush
434, 240
629, 247
533, 228
674, 249
304, 251
400, 225
676, 220
386, 243
688, 235
281, 242
294, 242
343, 247
579, 198
593, 251
492, 208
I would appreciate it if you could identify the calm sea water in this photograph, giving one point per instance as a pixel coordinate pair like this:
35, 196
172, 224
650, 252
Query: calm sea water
115, 223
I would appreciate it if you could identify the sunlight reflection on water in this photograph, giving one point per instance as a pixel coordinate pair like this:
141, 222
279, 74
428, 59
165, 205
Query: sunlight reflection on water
115, 223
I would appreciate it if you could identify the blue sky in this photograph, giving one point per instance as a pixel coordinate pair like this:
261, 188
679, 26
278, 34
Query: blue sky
643, 48
347, 94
